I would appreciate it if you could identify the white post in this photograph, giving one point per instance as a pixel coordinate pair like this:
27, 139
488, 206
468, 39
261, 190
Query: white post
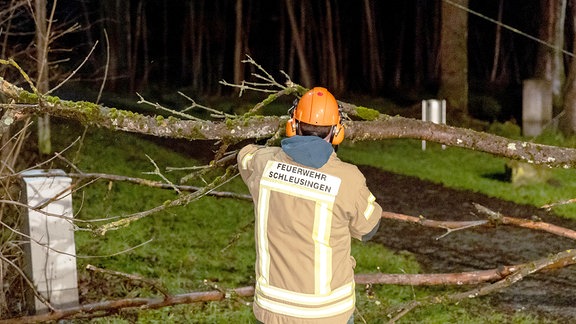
536, 106
433, 110
51, 252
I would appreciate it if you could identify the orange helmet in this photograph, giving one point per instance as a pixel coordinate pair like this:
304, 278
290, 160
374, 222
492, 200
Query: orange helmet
317, 107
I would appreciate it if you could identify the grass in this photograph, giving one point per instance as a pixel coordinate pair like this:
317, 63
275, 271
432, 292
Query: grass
209, 243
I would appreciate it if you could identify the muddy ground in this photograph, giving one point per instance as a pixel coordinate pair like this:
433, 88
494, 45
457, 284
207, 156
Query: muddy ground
549, 294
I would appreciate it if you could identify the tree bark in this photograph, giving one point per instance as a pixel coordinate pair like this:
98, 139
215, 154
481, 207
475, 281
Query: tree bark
297, 37
373, 68
454, 58
333, 77
568, 120
238, 44
42, 45
549, 61
497, 45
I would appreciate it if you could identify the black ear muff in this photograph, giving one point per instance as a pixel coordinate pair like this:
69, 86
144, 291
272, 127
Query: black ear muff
338, 134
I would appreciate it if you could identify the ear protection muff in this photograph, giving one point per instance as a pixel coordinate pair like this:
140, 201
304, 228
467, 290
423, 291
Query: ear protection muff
291, 124
337, 134
338, 130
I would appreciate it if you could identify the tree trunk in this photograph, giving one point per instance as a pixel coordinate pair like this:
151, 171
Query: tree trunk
373, 69
454, 58
135, 58
297, 36
419, 45
238, 45
42, 85
165, 44
497, 37
568, 120
549, 61
197, 45
333, 74
380, 127
558, 72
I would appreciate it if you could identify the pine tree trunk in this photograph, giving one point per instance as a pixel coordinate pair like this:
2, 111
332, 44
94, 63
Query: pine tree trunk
497, 37
42, 85
454, 59
549, 61
305, 73
238, 45
568, 120
373, 69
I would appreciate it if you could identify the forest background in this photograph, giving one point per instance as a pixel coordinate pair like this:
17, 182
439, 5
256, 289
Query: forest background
379, 48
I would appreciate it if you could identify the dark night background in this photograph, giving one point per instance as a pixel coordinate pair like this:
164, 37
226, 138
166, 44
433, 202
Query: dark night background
165, 46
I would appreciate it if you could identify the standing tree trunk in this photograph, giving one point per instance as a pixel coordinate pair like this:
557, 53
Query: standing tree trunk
497, 37
197, 42
238, 45
333, 75
549, 62
134, 55
373, 69
454, 58
42, 85
568, 120
165, 44
305, 73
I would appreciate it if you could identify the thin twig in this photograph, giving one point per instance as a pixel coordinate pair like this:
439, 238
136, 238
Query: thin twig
134, 277
171, 111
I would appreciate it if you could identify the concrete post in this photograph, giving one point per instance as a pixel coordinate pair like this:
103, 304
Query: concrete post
50, 260
536, 106
433, 110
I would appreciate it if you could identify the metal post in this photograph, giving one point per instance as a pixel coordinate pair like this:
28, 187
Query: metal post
433, 110
50, 261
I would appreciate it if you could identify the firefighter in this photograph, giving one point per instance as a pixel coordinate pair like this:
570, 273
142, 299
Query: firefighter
308, 205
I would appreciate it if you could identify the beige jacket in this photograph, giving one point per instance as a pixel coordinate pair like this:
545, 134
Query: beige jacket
305, 219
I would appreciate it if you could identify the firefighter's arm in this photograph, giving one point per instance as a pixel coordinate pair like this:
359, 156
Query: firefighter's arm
244, 159
367, 237
366, 221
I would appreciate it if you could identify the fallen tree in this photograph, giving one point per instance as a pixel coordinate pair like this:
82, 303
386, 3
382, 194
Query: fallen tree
370, 126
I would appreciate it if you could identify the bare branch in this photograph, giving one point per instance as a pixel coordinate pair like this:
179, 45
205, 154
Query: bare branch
565, 257
507, 276
171, 111
75, 70
108, 307
559, 203
144, 182
133, 277
495, 218
181, 201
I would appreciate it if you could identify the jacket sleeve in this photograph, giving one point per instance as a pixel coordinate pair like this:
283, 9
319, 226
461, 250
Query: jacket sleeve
247, 164
365, 221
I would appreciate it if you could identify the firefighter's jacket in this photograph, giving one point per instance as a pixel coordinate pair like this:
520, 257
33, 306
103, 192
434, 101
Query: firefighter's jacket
305, 218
